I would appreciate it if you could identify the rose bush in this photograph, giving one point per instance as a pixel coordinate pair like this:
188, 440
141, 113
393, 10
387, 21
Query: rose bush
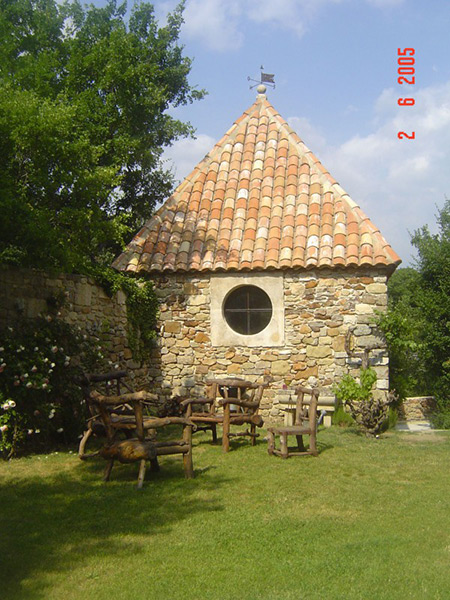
40, 402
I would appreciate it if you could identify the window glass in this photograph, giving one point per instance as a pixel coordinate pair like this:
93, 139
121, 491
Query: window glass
248, 310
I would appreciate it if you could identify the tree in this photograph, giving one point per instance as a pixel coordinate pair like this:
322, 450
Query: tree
433, 299
417, 323
84, 99
402, 326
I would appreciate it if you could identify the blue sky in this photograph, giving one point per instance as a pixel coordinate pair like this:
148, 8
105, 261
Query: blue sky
335, 66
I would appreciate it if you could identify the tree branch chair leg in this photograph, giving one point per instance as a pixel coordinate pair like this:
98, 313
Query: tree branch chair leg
108, 469
226, 428
141, 475
187, 457
253, 434
313, 446
300, 443
284, 445
154, 465
86, 435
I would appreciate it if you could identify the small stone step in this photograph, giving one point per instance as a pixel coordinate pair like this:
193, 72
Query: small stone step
414, 426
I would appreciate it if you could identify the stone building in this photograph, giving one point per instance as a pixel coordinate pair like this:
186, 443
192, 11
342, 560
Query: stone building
265, 267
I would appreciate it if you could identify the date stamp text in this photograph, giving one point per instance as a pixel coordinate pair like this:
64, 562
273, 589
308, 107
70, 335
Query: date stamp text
406, 76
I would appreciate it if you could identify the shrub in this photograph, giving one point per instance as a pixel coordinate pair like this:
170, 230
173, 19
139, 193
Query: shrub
341, 416
369, 412
41, 405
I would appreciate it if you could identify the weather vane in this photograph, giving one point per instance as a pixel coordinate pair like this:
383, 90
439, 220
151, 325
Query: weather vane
266, 78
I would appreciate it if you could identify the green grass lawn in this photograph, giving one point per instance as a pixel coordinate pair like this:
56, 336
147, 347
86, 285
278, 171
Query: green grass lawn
367, 519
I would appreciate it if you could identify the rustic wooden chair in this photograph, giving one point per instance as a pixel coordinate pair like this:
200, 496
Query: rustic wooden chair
239, 401
305, 423
144, 445
108, 384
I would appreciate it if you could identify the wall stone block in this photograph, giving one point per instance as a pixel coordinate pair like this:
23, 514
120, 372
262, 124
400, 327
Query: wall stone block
318, 351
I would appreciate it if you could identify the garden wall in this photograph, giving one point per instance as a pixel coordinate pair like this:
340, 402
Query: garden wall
29, 293
319, 310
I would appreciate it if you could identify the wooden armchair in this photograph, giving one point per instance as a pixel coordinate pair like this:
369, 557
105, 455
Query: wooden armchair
117, 415
228, 402
108, 384
305, 423
144, 445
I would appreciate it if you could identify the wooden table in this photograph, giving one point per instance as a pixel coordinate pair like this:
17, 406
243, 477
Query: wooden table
238, 409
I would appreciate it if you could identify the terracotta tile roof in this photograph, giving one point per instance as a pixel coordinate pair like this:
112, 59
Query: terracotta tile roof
259, 200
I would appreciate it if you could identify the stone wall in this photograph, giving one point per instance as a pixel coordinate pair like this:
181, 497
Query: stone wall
320, 309
419, 408
25, 294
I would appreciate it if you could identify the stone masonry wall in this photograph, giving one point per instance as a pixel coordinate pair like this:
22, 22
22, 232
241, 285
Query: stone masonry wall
320, 309
24, 294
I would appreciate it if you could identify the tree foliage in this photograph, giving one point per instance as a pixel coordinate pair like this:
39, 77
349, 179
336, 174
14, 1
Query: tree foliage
417, 325
402, 326
84, 99
433, 299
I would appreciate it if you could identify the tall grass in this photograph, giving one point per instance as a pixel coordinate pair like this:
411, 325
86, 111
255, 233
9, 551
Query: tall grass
367, 519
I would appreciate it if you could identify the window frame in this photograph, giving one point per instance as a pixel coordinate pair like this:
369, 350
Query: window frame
246, 311
222, 285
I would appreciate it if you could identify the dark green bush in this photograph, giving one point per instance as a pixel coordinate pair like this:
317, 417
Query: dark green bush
41, 404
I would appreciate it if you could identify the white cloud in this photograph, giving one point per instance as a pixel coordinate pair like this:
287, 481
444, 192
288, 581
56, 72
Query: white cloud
315, 141
398, 183
214, 22
219, 24
186, 153
287, 14
385, 3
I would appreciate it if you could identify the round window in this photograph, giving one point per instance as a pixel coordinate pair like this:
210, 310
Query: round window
248, 309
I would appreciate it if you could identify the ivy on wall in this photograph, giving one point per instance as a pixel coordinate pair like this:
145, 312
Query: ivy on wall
142, 307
